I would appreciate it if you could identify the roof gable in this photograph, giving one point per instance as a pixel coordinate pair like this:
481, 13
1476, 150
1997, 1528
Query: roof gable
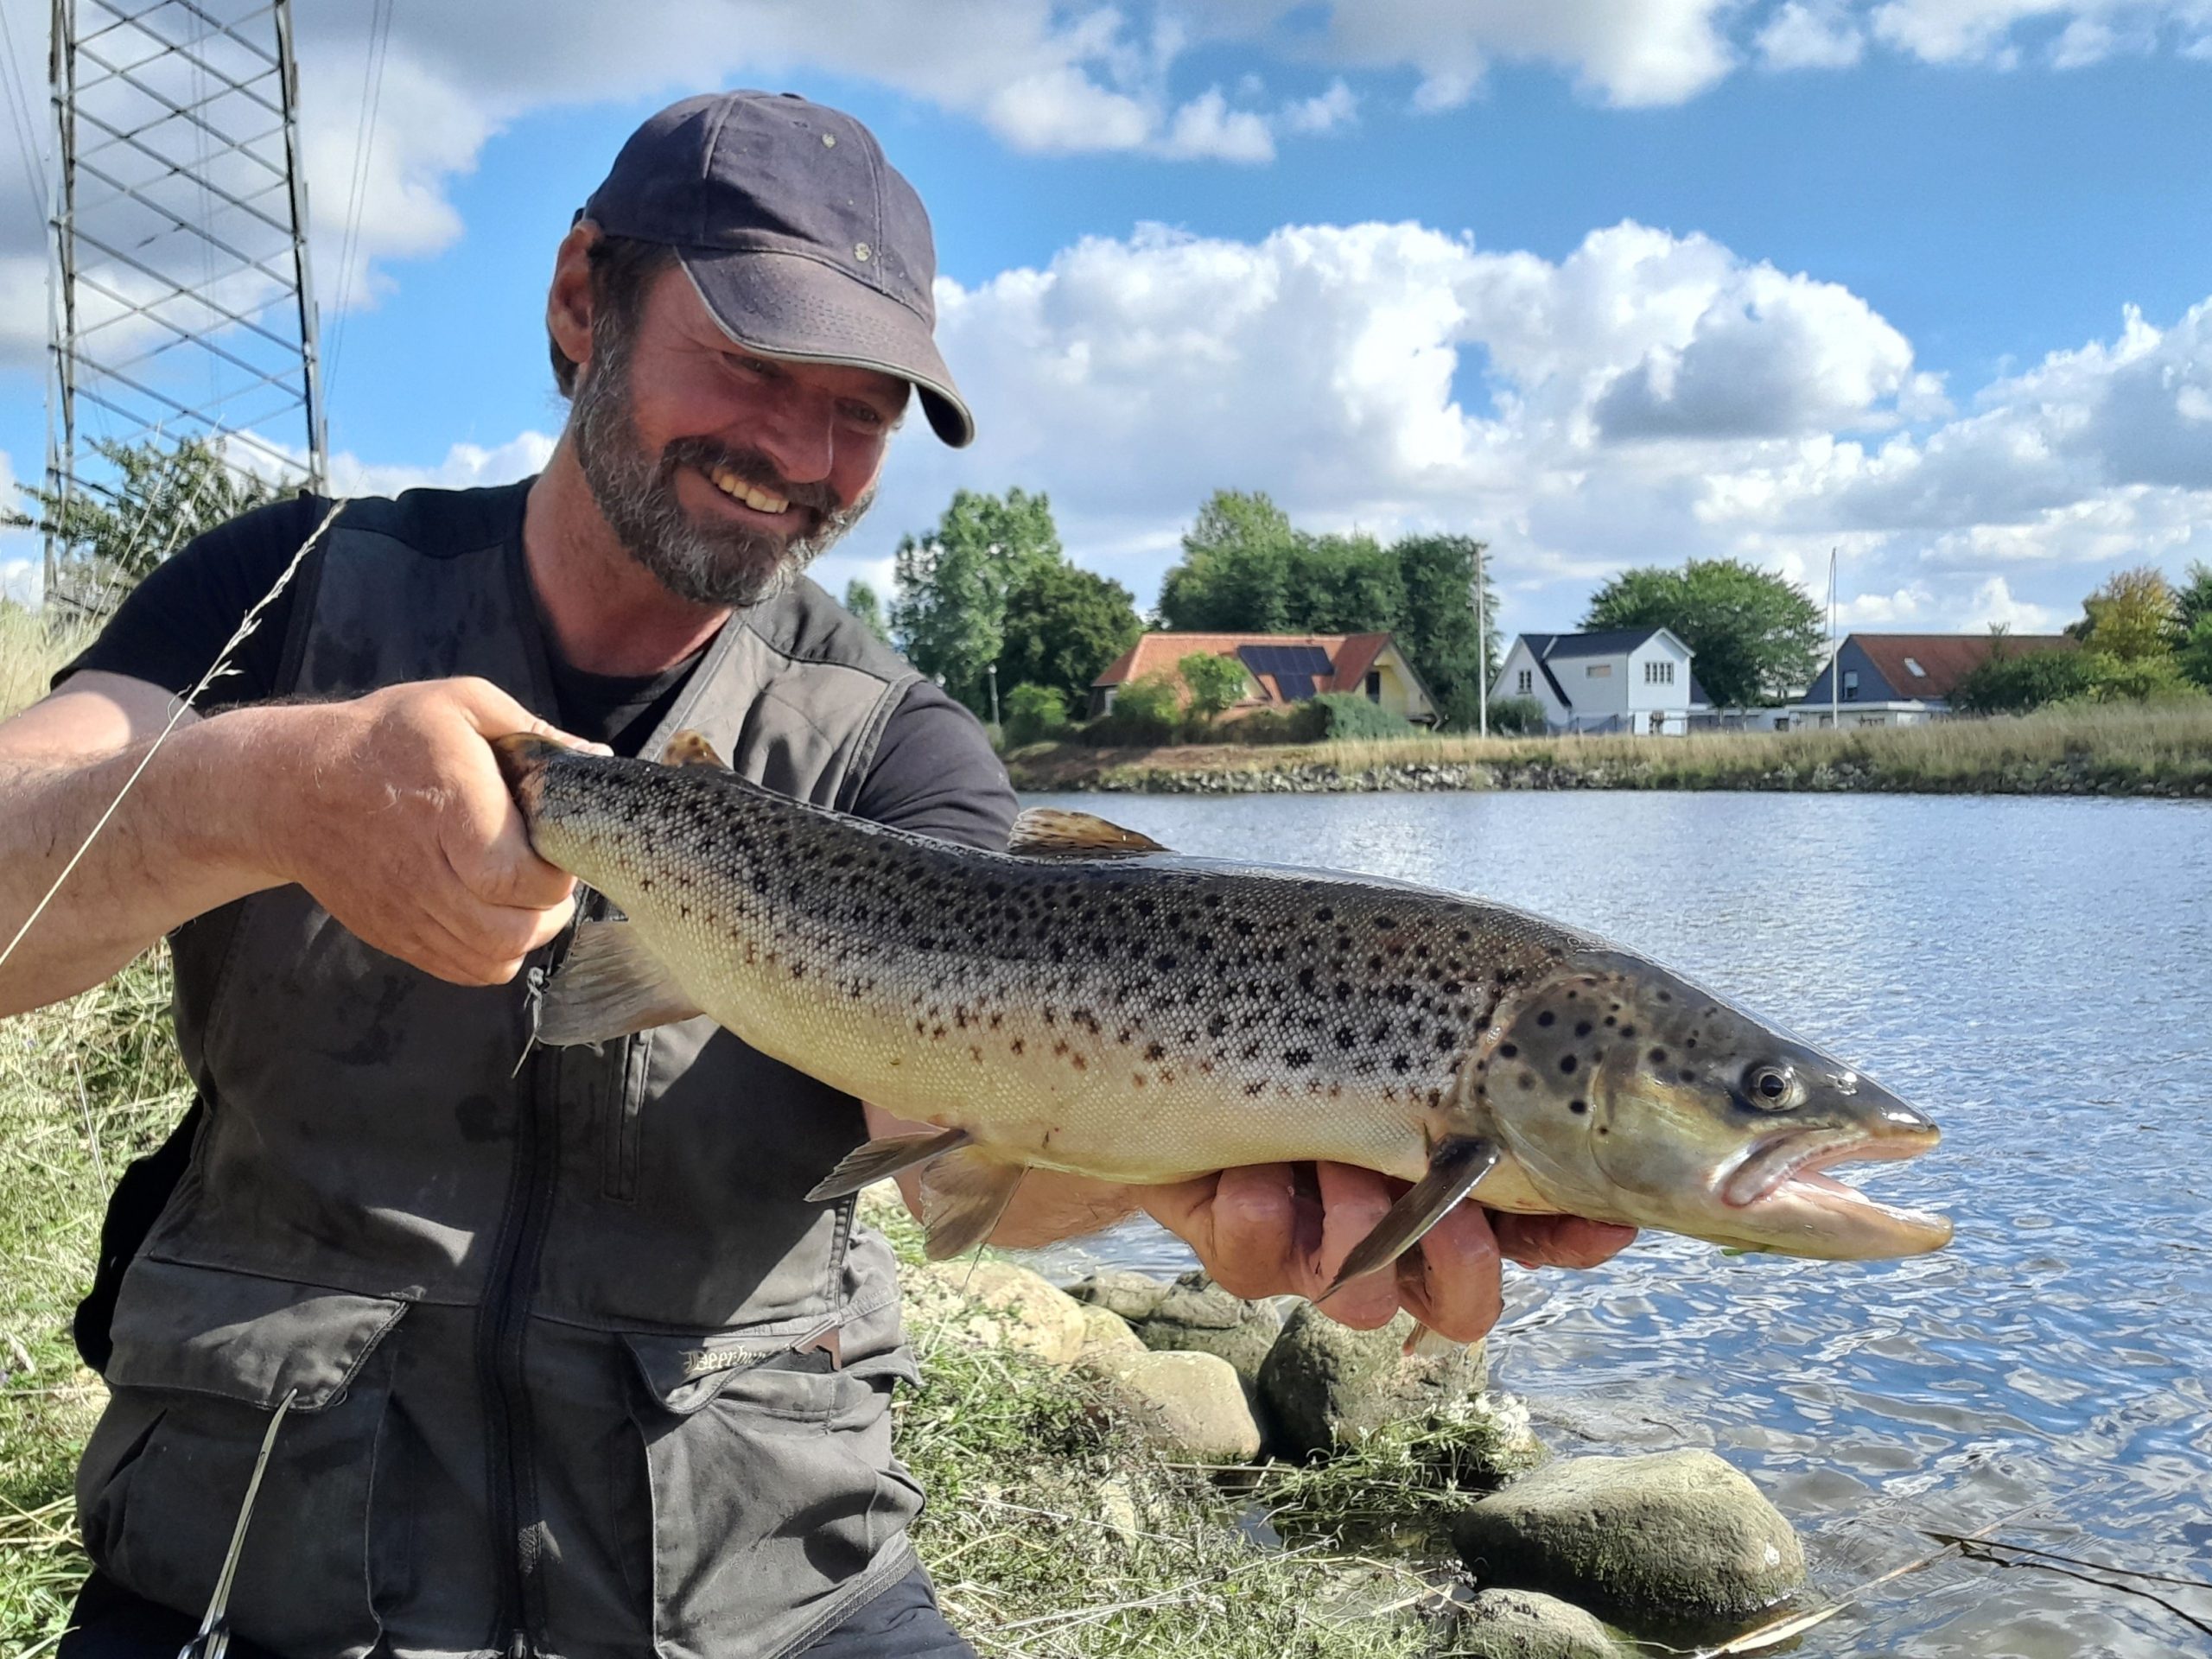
1941, 661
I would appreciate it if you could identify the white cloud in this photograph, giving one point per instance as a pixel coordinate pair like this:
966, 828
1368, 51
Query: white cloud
1811, 35
1994, 606
466, 466
1206, 128
1328, 366
1325, 112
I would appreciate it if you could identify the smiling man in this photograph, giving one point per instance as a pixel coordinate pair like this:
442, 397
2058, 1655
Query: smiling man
569, 1363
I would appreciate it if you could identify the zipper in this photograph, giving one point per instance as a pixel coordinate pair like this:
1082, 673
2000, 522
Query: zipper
501, 1333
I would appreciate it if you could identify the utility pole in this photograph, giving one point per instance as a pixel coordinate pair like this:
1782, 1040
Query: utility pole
182, 305
1482, 646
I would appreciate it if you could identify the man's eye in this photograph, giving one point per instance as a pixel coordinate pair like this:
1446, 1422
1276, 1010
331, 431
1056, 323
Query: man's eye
864, 415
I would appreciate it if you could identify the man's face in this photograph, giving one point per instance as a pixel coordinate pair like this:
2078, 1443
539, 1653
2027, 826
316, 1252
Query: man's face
723, 472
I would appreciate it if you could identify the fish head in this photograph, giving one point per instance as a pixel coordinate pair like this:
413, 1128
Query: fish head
1629, 1093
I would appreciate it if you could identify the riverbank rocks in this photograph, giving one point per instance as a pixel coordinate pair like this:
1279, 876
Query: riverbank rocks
1132, 1295
1328, 1385
1107, 1332
1525, 1624
1188, 1403
1197, 1316
1674, 1540
1020, 1309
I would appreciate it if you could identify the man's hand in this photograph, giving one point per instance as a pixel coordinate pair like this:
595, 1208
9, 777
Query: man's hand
1261, 1231
390, 809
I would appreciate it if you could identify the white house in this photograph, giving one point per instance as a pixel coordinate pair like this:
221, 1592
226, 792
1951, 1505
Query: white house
1622, 680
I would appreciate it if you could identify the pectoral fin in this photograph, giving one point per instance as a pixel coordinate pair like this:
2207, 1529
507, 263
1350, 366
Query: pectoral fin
963, 1195
867, 1165
1454, 1169
610, 984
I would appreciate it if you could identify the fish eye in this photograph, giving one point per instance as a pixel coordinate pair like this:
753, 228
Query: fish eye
1771, 1088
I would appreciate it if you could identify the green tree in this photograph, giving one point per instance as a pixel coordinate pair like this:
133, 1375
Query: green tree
861, 600
1034, 712
1215, 683
109, 540
1236, 576
1436, 630
949, 608
2134, 616
1345, 584
2194, 597
1063, 625
2195, 657
2012, 682
1757, 637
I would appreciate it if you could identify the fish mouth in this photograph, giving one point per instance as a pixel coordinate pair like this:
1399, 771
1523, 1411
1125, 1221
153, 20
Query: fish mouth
1785, 1180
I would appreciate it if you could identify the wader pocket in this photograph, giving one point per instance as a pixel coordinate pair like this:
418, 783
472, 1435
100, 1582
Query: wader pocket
774, 1499
202, 1357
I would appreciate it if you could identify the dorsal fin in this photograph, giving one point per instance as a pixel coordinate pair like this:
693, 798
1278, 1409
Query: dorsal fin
1054, 832
690, 748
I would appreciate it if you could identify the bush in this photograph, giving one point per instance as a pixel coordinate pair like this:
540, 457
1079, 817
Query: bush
1347, 714
2013, 685
1034, 712
1517, 717
1298, 723
2136, 679
1215, 683
1149, 710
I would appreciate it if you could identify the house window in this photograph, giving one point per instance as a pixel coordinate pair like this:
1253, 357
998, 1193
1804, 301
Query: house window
1658, 673
1851, 686
1525, 682
1600, 671
1374, 685
1914, 670
1782, 723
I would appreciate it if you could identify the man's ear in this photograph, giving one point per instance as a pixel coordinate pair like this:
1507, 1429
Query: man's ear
567, 302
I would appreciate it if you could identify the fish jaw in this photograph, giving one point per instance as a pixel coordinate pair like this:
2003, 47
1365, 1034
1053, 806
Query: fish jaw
1780, 1196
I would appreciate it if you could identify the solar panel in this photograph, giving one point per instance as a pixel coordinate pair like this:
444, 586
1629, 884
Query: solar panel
1310, 660
1296, 688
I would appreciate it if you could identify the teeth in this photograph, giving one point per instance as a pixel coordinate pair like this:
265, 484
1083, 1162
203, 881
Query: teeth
759, 499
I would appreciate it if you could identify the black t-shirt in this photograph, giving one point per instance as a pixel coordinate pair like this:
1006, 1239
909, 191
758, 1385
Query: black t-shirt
933, 772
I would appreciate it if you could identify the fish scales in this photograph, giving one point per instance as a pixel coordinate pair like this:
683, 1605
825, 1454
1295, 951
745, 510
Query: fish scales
1146, 1018
1086, 1010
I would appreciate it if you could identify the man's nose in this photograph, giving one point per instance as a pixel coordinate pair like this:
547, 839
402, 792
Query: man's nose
799, 434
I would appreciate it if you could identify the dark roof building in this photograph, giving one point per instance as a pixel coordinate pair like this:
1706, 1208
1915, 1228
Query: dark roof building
1902, 679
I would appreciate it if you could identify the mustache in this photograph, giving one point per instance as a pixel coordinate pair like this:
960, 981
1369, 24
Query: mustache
754, 467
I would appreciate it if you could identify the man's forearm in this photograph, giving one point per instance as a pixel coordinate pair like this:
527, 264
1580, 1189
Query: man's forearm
183, 842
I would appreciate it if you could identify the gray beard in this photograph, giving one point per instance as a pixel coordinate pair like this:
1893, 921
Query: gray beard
723, 566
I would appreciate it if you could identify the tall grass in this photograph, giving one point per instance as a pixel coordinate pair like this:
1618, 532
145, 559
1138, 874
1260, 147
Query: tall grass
33, 644
2164, 748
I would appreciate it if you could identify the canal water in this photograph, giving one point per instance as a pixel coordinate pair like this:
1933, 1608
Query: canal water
2036, 974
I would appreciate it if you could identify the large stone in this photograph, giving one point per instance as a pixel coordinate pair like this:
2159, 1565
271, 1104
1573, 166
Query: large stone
1132, 1295
1197, 1316
998, 1303
1523, 1624
1675, 1540
1329, 1385
1190, 1403
1105, 1332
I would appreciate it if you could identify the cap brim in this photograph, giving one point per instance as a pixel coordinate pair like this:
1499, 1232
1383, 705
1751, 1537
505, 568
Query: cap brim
788, 305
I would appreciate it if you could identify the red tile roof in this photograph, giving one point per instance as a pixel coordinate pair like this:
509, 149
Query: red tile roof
1944, 658
1351, 654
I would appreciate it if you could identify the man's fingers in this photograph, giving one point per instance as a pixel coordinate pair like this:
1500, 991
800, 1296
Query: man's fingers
1449, 1280
1559, 1241
494, 714
1352, 1202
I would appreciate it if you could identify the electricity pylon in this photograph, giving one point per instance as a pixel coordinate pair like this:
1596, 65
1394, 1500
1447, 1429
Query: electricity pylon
182, 307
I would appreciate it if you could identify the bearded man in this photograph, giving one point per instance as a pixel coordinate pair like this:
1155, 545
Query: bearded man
566, 1362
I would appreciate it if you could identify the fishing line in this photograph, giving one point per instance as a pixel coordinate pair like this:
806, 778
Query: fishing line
246, 625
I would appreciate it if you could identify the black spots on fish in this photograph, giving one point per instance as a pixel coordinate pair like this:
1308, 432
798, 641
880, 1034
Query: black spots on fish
1384, 924
1217, 1026
1341, 990
1688, 1076
1566, 1065
1445, 1040
1346, 1037
1306, 978
1242, 926
1603, 1129
1689, 1042
1155, 1051
1582, 1027
1324, 914
1508, 1051
798, 970
1461, 936
1401, 1063
1254, 1088
1658, 1056
1166, 962
1666, 997
1527, 1080
1016, 1046
1213, 901
1250, 1052
1137, 1079
1628, 1034
1450, 988
1147, 908
1547, 1018
1577, 1107
1375, 965
1571, 994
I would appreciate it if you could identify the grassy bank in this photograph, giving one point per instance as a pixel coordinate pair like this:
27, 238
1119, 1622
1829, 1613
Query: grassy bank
2131, 749
1052, 1530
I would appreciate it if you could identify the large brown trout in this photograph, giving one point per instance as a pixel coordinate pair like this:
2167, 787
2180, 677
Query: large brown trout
1090, 1002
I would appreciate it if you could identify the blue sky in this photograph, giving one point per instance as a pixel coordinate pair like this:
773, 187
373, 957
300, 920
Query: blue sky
1926, 279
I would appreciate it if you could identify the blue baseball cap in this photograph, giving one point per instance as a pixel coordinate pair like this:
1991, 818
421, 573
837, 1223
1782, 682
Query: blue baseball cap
802, 239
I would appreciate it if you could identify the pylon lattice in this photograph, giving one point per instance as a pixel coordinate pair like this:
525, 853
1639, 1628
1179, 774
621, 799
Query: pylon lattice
182, 303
